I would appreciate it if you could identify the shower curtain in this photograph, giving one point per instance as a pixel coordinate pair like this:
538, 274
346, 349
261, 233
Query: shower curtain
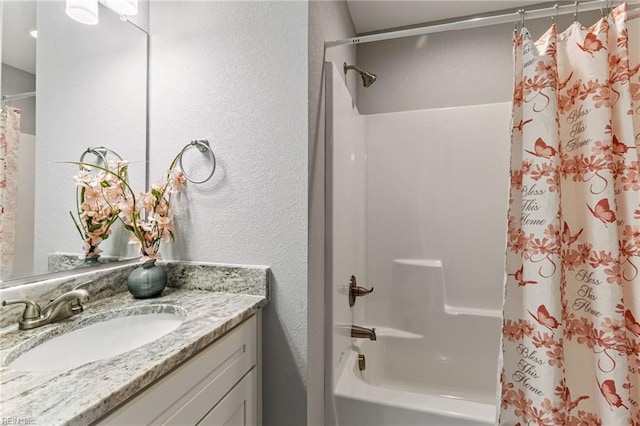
571, 327
9, 143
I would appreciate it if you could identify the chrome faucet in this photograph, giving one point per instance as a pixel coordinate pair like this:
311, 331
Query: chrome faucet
363, 332
63, 306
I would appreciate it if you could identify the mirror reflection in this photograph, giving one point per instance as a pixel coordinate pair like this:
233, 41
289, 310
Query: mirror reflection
74, 88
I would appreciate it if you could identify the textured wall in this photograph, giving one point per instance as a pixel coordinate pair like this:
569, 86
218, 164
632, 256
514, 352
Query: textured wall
236, 74
454, 68
328, 20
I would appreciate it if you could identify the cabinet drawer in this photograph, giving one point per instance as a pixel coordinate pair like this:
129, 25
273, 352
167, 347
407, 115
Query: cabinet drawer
239, 407
187, 394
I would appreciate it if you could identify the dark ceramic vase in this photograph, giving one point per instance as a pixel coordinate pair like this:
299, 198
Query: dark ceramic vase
147, 280
89, 261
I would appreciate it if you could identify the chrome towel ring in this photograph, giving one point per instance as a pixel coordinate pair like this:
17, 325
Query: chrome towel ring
203, 146
102, 153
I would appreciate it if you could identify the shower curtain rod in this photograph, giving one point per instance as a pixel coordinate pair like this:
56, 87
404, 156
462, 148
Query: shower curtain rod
18, 96
474, 23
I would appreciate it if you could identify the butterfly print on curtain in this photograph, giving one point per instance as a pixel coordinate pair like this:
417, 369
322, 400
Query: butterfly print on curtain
571, 336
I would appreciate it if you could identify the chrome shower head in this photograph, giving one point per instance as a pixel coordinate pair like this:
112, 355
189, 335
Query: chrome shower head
367, 77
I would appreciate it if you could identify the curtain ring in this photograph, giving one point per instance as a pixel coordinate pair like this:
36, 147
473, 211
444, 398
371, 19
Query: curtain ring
556, 7
522, 18
575, 13
203, 146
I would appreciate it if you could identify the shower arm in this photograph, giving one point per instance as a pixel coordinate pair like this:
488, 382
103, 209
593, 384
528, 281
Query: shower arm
346, 68
367, 78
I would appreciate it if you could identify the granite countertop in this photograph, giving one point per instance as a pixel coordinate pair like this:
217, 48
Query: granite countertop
84, 394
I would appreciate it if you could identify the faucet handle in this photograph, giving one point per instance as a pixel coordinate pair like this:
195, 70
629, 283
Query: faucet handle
77, 287
84, 283
31, 310
355, 291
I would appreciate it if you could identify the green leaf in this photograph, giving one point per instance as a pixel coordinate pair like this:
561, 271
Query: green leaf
94, 227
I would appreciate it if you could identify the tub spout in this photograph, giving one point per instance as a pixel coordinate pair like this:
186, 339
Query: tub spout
363, 332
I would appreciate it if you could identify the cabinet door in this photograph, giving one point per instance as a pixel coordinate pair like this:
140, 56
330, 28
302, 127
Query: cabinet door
186, 394
239, 407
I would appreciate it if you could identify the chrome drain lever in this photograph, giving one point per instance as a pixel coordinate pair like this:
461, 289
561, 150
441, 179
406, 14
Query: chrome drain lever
362, 362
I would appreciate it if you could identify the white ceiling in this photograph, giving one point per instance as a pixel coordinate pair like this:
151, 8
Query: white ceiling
377, 15
19, 17
18, 47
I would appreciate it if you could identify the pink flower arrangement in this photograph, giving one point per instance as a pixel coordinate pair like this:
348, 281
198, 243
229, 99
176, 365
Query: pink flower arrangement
107, 196
151, 219
97, 204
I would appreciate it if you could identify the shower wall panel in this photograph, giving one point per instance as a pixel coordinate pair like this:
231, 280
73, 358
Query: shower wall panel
437, 188
23, 260
345, 202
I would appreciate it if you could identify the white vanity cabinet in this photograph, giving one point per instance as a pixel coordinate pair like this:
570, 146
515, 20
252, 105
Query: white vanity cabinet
218, 386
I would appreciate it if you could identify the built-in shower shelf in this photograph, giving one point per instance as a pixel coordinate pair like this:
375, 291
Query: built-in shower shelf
394, 332
424, 279
462, 310
431, 263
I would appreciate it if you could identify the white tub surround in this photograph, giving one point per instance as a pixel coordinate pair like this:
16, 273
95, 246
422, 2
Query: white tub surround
85, 394
415, 209
432, 364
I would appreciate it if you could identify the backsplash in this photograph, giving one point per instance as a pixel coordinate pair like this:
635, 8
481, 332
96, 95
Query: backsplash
57, 262
107, 281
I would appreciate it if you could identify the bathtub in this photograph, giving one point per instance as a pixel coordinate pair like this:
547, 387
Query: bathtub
410, 379
398, 209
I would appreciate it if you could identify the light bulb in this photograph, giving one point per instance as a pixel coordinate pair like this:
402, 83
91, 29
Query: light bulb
83, 11
123, 7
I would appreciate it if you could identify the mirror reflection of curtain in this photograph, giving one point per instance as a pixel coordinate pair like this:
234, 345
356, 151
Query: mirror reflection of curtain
9, 143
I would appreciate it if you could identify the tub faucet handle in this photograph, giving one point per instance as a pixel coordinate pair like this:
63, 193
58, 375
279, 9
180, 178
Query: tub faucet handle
355, 291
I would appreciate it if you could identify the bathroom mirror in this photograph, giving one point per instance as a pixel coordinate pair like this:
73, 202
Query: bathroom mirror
90, 84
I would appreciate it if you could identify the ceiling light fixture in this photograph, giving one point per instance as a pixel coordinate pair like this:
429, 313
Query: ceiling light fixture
123, 7
83, 11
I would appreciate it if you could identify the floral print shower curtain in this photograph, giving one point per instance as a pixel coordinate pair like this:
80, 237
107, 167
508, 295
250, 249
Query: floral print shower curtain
9, 143
571, 326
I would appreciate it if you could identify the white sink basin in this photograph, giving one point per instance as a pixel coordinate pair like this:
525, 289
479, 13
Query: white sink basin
98, 339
